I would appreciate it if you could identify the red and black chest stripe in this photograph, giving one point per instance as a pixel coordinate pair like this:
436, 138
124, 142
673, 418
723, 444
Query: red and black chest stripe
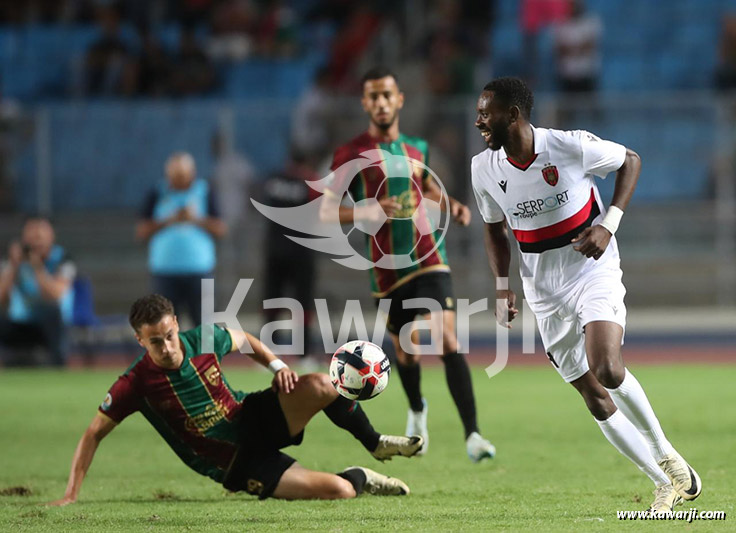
559, 234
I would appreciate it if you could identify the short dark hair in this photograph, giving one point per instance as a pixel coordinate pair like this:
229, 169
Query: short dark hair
378, 72
513, 91
34, 216
149, 310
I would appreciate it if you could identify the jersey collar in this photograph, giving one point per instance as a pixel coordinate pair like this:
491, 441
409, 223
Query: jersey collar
540, 146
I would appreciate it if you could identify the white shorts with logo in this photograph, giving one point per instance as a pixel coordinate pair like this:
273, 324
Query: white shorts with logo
600, 297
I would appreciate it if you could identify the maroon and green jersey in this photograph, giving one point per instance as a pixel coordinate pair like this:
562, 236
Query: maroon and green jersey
400, 236
193, 408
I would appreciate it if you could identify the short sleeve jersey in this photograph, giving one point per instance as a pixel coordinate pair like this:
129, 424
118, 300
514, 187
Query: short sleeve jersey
546, 202
401, 236
193, 407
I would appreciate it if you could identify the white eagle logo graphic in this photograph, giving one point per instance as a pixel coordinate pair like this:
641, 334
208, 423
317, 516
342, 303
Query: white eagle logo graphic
320, 219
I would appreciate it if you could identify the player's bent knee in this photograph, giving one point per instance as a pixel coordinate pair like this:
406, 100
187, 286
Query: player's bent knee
318, 384
609, 374
341, 490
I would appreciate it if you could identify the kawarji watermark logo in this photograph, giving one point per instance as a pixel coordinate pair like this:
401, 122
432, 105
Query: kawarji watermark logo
352, 317
319, 219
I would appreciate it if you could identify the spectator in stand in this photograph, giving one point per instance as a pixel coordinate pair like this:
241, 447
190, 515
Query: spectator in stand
453, 45
231, 30
726, 70
193, 72
577, 43
535, 16
107, 62
192, 12
276, 34
36, 297
154, 67
180, 221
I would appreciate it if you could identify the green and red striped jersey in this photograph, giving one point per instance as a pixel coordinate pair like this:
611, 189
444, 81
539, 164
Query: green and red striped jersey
400, 236
193, 407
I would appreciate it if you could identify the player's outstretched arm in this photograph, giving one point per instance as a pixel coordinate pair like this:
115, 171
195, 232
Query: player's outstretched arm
284, 378
98, 429
499, 259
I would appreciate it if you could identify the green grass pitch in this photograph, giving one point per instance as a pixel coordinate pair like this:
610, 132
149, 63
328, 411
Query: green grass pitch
554, 470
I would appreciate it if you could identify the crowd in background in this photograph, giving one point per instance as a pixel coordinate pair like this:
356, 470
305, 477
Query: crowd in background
441, 50
130, 59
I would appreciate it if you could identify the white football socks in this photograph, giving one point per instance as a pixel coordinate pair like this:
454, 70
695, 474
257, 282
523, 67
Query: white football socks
633, 402
626, 438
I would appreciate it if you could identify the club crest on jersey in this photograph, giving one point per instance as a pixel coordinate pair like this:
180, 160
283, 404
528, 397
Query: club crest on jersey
107, 402
213, 375
550, 175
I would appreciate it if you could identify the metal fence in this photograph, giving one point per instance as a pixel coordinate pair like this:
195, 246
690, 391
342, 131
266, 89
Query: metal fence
95, 161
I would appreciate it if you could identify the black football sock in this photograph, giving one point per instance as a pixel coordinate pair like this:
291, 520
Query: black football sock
356, 477
348, 415
410, 377
457, 373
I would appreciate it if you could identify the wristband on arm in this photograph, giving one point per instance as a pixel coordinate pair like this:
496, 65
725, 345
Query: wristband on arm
276, 365
612, 219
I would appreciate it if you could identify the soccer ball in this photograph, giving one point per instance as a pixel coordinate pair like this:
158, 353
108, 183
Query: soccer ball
359, 370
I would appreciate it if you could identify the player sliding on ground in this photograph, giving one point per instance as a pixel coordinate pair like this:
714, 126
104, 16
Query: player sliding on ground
540, 183
230, 436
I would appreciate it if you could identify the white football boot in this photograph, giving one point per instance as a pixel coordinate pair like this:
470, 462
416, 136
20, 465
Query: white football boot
380, 485
479, 448
416, 424
665, 499
390, 445
684, 479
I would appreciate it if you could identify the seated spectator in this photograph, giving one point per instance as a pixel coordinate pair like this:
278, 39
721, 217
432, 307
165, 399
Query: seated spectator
108, 59
193, 72
232, 23
276, 35
153, 69
35, 296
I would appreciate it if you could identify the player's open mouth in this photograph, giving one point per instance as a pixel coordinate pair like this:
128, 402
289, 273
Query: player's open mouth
486, 135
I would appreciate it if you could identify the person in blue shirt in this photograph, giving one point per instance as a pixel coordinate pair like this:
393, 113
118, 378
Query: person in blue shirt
36, 297
180, 221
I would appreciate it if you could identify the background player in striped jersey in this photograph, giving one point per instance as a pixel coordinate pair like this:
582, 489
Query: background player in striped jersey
540, 183
230, 436
429, 274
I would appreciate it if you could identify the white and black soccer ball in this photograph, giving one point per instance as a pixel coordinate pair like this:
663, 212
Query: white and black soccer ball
359, 370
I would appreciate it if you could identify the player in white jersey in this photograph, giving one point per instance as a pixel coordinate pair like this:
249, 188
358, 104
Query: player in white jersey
540, 183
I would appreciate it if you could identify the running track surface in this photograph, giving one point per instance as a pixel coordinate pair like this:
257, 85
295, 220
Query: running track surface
637, 355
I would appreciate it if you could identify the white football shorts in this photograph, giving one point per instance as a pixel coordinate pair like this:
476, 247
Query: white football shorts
599, 297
